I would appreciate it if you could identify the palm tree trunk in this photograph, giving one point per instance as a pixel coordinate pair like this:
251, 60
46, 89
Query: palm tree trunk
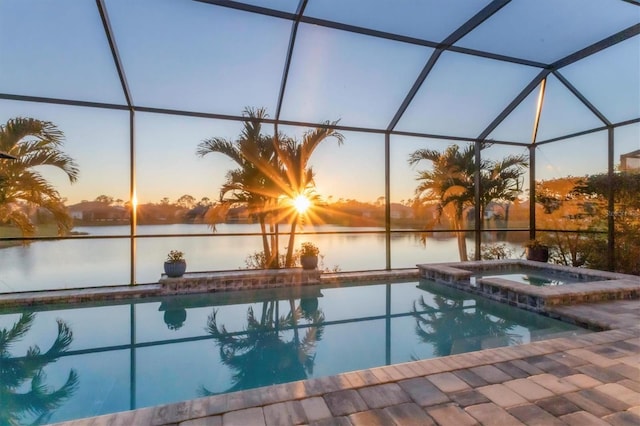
455, 216
265, 241
462, 241
506, 214
505, 226
292, 237
273, 259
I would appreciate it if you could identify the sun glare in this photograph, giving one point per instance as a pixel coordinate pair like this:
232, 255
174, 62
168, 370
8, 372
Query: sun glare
301, 203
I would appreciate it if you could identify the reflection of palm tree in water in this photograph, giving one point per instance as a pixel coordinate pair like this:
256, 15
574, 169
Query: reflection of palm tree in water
455, 328
15, 372
259, 356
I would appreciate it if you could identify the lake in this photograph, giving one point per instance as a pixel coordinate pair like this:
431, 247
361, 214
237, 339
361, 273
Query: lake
78, 262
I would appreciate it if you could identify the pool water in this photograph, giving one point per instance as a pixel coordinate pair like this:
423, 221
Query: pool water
95, 359
537, 276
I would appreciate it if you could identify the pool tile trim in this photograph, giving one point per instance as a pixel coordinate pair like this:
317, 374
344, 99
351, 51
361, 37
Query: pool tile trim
205, 282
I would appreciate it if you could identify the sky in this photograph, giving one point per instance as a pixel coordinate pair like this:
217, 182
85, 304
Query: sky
196, 57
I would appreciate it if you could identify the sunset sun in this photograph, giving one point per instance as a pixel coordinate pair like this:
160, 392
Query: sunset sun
301, 203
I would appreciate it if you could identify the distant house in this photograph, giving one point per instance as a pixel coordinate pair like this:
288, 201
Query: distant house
238, 215
196, 214
630, 161
96, 211
399, 211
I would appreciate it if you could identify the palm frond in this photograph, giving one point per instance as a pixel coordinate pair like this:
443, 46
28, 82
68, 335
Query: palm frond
19, 128
221, 146
34, 153
16, 332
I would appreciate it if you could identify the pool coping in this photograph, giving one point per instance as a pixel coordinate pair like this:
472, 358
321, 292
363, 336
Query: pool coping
197, 282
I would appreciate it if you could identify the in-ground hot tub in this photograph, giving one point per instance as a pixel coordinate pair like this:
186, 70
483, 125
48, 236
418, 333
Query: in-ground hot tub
533, 285
538, 276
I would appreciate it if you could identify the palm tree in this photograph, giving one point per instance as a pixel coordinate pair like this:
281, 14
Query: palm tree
298, 175
502, 181
451, 183
19, 397
252, 183
270, 168
34, 143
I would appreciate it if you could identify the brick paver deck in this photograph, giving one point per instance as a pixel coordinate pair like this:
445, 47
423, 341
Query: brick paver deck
591, 379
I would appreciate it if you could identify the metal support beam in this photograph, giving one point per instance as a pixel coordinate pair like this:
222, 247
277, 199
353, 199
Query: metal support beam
387, 196
532, 191
59, 101
250, 8
477, 19
536, 121
514, 104
287, 65
597, 47
611, 222
414, 89
106, 24
102, 9
582, 99
572, 135
478, 213
133, 197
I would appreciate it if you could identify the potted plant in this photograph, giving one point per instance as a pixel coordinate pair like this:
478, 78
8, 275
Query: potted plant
536, 250
175, 265
309, 256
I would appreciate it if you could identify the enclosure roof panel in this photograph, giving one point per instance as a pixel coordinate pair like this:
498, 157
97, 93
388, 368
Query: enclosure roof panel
431, 20
199, 57
289, 6
463, 94
56, 49
616, 94
549, 30
326, 81
453, 68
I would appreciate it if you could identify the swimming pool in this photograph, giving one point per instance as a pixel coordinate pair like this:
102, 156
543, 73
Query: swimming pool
118, 356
